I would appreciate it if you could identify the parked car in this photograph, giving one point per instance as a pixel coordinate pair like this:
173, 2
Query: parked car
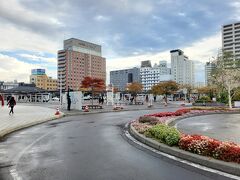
45, 100
87, 97
55, 99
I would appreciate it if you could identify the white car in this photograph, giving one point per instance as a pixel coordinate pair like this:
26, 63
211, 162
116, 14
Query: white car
88, 97
55, 99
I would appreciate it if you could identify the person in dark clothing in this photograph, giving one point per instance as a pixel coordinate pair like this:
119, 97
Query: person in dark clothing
147, 98
68, 102
155, 98
102, 100
132, 98
99, 100
8, 98
11, 103
2, 100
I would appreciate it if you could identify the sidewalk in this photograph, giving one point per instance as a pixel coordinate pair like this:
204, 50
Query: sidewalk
24, 116
109, 108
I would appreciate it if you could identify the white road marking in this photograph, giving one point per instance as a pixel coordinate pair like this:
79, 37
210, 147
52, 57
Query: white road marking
13, 170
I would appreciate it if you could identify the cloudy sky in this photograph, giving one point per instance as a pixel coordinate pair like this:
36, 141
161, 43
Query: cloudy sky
31, 31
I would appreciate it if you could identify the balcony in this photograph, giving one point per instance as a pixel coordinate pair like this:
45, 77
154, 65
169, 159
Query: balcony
227, 33
228, 37
227, 30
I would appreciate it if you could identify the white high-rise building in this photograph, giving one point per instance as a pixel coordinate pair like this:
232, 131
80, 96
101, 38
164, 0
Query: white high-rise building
182, 69
231, 39
153, 75
209, 67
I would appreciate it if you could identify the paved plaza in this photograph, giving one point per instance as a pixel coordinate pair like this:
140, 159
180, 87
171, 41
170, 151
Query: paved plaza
24, 116
86, 146
225, 127
27, 114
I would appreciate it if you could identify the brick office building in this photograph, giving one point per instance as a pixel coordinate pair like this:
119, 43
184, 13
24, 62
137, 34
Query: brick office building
77, 60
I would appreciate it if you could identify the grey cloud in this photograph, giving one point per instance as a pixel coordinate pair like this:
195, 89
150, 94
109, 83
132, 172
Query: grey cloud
143, 25
27, 19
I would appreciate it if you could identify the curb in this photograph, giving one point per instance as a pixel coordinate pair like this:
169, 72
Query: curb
228, 167
6, 132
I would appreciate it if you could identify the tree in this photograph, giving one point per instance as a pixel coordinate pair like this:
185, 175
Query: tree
227, 75
115, 90
230, 79
236, 96
165, 88
134, 88
93, 84
207, 90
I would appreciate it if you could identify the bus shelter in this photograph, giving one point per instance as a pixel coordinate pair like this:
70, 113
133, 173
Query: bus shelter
27, 94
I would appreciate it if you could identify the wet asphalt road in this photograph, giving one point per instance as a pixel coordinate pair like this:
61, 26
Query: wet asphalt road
87, 147
225, 127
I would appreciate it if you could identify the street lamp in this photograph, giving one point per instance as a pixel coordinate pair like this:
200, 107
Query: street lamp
60, 83
112, 94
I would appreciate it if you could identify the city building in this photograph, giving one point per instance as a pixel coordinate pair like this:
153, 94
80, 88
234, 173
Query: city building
153, 75
8, 85
182, 69
199, 84
209, 67
1, 85
41, 80
146, 63
120, 78
77, 60
231, 39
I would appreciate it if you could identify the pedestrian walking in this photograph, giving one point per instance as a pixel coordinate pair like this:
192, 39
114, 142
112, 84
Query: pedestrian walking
8, 98
147, 98
102, 100
11, 103
2, 100
155, 98
68, 102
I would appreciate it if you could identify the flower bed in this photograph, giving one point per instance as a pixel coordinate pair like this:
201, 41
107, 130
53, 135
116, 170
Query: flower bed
153, 126
165, 114
203, 145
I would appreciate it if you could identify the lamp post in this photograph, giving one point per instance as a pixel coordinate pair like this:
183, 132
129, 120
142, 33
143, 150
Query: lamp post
60, 83
112, 95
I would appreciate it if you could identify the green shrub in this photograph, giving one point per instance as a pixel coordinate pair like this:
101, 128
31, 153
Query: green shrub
223, 98
173, 137
165, 134
202, 101
148, 134
205, 98
161, 133
236, 96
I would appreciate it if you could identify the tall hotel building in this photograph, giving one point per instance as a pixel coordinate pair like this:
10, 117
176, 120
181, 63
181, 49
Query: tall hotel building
77, 60
182, 69
231, 39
